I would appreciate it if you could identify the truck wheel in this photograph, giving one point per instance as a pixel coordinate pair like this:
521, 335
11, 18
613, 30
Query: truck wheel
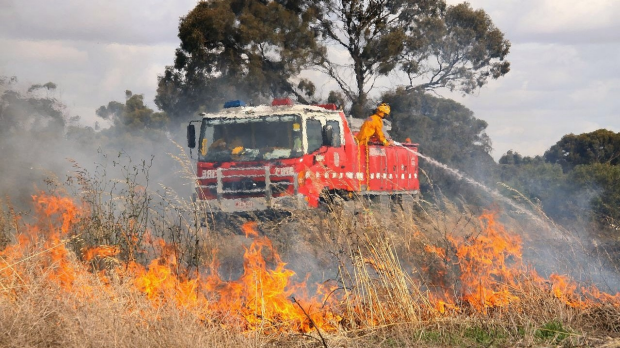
385, 202
380, 202
406, 201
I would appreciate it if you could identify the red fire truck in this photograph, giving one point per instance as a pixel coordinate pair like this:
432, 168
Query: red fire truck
287, 157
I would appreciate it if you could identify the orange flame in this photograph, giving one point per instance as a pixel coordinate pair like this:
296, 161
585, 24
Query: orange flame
490, 269
43, 241
102, 251
263, 296
475, 272
249, 228
486, 267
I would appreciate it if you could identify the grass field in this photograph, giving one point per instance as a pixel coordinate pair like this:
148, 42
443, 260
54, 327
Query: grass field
126, 268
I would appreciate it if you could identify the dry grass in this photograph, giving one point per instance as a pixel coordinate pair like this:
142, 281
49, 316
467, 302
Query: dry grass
385, 279
46, 316
382, 297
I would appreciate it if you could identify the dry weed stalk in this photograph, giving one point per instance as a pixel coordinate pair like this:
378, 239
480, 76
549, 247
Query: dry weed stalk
384, 273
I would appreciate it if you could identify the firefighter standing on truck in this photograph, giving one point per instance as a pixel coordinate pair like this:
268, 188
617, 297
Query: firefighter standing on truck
372, 129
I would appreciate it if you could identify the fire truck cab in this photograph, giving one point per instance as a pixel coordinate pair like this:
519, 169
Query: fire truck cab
285, 156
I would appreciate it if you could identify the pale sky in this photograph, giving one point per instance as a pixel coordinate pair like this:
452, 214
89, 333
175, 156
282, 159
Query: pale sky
564, 76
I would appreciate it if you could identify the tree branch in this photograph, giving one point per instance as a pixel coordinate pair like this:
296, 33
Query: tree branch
313, 323
331, 72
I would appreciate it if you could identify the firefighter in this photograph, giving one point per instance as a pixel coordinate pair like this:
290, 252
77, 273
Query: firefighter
297, 145
372, 129
235, 146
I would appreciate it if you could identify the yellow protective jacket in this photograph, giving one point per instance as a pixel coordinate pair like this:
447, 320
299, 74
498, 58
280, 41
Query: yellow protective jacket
372, 130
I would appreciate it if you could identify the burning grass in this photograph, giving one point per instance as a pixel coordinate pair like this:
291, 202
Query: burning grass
385, 278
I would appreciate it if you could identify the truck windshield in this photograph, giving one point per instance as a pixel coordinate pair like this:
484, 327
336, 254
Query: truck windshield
250, 139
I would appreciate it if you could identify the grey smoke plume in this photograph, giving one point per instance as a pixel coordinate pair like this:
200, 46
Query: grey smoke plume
556, 249
40, 143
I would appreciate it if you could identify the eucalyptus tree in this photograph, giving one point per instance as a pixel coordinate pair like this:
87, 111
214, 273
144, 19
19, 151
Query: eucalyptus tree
432, 44
259, 48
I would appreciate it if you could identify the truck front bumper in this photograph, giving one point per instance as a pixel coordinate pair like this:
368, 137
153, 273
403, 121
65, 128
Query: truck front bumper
234, 205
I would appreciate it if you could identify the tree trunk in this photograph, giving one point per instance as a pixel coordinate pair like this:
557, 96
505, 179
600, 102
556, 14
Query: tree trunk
358, 108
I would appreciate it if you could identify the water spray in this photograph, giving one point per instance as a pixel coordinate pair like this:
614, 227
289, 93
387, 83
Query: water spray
493, 192
601, 276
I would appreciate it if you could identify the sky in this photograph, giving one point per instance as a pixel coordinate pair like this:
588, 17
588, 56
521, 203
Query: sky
564, 74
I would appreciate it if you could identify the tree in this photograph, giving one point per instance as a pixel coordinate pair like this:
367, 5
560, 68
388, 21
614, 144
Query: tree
32, 136
30, 111
258, 48
512, 158
447, 132
249, 49
434, 45
540, 182
599, 181
600, 146
515, 158
576, 178
132, 116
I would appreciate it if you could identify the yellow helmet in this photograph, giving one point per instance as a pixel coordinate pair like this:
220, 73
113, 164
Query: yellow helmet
384, 108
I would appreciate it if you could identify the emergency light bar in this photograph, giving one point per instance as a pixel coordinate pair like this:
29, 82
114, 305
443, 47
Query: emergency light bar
282, 102
329, 106
233, 104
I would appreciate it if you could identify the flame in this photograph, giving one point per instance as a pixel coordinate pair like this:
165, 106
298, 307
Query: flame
262, 295
45, 241
102, 251
262, 298
491, 272
249, 228
435, 250
485, 264
471, 274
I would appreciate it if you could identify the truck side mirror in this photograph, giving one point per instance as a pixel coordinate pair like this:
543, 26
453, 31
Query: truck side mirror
191, 136
328, 136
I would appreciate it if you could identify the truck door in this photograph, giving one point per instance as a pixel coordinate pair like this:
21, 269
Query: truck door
376, 160
335, 159
399, 160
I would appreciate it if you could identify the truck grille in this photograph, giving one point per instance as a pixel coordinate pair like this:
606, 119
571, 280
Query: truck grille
249, 184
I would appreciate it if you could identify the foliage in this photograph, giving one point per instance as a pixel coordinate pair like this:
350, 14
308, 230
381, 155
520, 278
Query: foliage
336, 98
513, 157
600, 146
552, 330
133, 116
32, 128
37, 136
30, 112
586, 190
238, 49
447, 132
433, 44
542, 183
599, 180
137, 132
483, 336
255, 49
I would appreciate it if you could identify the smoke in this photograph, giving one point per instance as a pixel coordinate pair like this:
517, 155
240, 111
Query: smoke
492, 192
43, 146
32, 140
40, 143
553, 248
